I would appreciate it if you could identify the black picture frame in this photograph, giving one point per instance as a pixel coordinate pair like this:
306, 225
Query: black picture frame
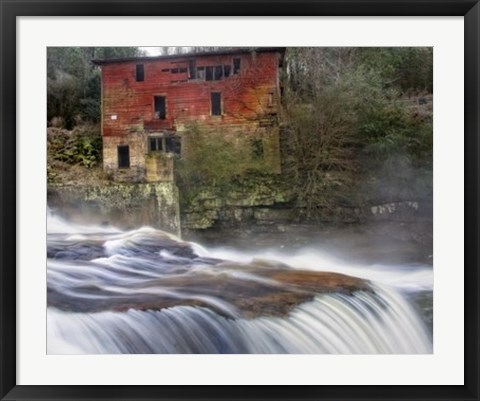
10, 10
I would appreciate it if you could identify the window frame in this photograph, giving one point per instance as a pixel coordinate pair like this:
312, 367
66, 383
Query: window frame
159, 140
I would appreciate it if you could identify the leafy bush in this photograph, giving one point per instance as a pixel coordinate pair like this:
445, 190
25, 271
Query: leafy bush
214, 159
393, 128
62, 98
409, 69
348, 133
82, 146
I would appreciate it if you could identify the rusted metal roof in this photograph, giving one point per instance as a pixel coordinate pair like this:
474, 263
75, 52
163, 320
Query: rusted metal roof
240, 50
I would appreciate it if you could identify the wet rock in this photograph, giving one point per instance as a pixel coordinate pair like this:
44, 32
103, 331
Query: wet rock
232, 290
76, 252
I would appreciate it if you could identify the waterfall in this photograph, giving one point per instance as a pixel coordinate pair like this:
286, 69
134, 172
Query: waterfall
145, 291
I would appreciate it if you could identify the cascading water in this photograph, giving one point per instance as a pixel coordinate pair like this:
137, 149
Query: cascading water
144, 291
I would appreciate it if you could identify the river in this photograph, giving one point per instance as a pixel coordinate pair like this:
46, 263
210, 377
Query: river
145, 291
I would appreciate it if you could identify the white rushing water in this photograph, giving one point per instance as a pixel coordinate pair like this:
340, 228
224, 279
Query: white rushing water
105, 286
406, 277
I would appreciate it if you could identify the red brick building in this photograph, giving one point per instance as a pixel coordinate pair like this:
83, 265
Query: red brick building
150, 103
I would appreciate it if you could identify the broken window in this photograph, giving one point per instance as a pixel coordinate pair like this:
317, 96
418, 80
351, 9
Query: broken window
226, 70
216, 100
160, 109
173, 144
179, 70
169, 144
201, 73
155, 144
209, 73
257, 148
123, 153
192, 69
218, 72
139, 73
236, 65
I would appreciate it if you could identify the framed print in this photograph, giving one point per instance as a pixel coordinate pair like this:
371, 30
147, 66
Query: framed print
213, 210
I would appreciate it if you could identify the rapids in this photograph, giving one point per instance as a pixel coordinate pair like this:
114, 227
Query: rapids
146, 291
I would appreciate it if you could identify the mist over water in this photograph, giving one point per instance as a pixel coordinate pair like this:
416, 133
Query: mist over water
405, 277
146, 291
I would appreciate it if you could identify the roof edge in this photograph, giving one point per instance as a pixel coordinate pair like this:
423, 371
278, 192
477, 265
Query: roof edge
240, 50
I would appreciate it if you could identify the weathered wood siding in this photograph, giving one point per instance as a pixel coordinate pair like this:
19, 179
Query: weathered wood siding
247, 97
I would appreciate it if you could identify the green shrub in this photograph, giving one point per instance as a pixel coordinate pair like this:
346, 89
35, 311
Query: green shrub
82, 146
213, 158
351, 133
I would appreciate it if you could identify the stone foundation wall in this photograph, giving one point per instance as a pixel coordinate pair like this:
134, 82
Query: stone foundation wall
121, 205
270, 202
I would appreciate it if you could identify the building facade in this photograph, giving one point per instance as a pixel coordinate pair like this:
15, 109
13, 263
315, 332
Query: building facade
150, 104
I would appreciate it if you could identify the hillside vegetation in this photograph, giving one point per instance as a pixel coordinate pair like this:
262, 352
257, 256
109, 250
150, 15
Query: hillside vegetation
356, 126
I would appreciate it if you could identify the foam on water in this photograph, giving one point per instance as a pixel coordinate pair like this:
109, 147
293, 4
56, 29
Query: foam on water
93, 266
362, 324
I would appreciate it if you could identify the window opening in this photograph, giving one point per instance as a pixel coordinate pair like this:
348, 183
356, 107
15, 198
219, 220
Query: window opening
160, 107
226, 70
209, 73
139, 73
155, 144
192, 69
216, 100
236, 65
123, 152
173, 144
201, 73
218, 72
178, 69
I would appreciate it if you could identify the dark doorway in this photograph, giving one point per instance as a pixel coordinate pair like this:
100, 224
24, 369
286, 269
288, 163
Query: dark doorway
160, 107
123, 156
216, 104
